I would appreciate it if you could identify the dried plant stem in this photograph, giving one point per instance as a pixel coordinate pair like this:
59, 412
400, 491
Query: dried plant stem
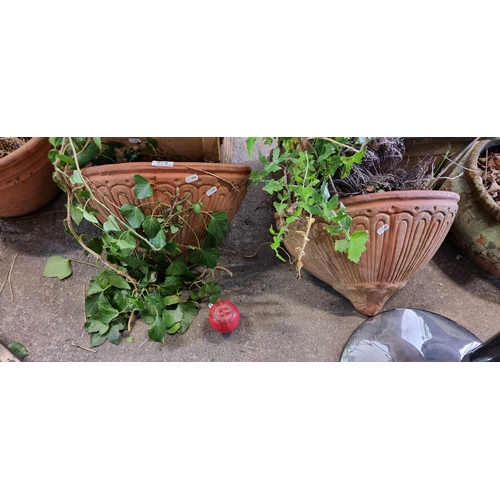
84, 348
8, 277
301, 250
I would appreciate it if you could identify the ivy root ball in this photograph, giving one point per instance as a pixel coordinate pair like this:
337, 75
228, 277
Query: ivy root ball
224, 316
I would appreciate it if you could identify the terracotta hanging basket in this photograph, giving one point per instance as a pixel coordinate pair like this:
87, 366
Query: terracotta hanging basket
476, 230
219, 187
26, 181
405, 229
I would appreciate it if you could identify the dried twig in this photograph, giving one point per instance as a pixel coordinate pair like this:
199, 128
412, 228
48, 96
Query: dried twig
84, 348
8, 277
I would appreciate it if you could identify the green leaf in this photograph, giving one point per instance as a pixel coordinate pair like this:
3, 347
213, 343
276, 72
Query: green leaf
114, 279
114, 332
152, 141
133, 214
172, 316
171, 285
91, 152
91, 303
97, 141
250, 145
94, 326
189, 311
342, 245
171, 300
151, 226
157, 330
207, 257
65, 159
218, 226
96, 339
126, 241
95, 244
178, 267
105, 313
160, 240
18, 350
111, 224
76, 178
358, 245
142, 188
87, 215
129, 339
57, 267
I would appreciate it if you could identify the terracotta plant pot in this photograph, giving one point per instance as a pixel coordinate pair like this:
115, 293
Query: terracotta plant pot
219, 187
26, 181
405, 229
476, 230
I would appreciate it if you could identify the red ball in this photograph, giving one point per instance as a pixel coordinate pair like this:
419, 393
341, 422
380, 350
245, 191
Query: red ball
224, 316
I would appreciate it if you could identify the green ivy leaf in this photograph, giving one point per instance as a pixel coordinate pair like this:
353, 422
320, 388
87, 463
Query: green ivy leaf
160, 240
171, 285
218, 226
18, 350
91, 152
114, 332
105, 313
142, 188
151, 226
207, 257
57, 267
97, 339
114, 279
95, 326
358, 245
111, 224
92, 301
157, 330
177, 268
133, 214
189, 311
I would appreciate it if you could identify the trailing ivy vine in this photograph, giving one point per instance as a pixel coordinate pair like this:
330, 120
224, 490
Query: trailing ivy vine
144, 272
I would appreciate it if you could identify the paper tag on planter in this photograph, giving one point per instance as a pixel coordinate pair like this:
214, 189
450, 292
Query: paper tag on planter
157, 163
211, 191
192, 178
134, 141
383, 229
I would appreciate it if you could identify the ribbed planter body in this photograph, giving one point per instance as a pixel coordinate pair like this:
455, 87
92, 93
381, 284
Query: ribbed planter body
476, 230
218, 187
405, 229
26, 181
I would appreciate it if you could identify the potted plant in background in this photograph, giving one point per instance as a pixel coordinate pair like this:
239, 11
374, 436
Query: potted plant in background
160, 223
26, 181
350, 215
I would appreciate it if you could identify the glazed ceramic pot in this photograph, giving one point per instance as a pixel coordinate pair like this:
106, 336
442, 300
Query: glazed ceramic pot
218, 187
405, 230
476, 230
26, 181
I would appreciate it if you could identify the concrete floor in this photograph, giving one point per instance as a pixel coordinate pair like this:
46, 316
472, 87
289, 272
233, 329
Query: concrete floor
282, 319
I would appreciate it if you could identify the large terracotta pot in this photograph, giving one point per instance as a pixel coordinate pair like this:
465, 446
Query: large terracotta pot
219, 187
26, 181
405, 229
476, 230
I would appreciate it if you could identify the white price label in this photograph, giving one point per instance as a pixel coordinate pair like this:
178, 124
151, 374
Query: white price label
211, 191
383, 229
192, 178
157, 163
134, 141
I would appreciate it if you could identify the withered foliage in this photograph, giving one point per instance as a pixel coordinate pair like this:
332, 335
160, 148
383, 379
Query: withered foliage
381, 170
489, 170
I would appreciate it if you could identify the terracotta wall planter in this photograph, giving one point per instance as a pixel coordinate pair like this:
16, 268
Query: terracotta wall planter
476, 230
26, 181
219, 187
406, 229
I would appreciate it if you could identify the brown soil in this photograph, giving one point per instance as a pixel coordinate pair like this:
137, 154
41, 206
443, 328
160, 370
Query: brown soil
10, 144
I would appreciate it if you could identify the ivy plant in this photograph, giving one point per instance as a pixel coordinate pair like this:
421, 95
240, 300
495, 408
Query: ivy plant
299, 173
143, 271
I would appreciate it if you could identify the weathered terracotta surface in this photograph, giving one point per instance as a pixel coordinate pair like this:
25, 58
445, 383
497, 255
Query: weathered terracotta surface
476, 230
26, 181
113, 185
406, 229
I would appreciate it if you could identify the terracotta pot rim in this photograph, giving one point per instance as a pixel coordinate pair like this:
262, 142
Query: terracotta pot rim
395, 196
19, 154
145, 166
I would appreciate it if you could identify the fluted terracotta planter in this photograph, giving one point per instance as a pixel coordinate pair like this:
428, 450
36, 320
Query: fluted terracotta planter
219, 187
26, 181
476, 230
405, 229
